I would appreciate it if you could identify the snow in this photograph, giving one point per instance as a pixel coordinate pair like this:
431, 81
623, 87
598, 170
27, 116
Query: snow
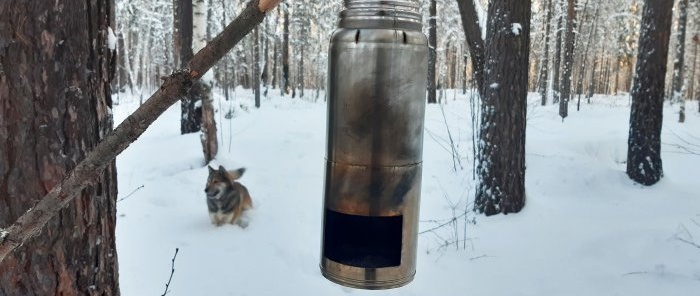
3, 233
111, 39
516, 28
586, 228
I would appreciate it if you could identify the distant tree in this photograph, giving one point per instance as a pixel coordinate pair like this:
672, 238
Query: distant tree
569, 43
644, 145
679, 61
286, 85
201, 90
501, 157
693, 91
556, 67
472, 31
256, 66
56, 64
544, 69
191, 119
432, 52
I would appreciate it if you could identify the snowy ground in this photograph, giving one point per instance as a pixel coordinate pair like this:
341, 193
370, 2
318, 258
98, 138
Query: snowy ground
586, 229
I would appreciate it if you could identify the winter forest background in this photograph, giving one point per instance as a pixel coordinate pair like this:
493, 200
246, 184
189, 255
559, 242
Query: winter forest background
591, 208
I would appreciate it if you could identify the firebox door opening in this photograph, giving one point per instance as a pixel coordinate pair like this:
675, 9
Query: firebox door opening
363, 241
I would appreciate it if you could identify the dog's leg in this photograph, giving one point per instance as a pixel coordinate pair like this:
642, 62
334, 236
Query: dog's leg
242, 222
212, 217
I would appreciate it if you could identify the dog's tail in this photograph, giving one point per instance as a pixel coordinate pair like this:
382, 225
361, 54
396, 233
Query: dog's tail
236, 174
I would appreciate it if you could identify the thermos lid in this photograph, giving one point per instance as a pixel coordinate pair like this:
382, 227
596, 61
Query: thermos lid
390, 14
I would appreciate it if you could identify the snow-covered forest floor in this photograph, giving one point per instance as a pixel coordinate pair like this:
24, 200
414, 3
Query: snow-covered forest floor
586, 229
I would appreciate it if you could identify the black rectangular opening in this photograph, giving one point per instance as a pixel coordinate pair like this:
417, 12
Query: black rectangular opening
363, 241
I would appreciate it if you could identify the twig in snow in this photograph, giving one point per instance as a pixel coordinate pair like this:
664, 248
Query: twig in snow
689, 240
635, 273
130, 194
172, 271
684, 150
455, 154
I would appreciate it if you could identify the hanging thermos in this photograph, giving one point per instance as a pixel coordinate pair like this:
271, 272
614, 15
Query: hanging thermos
378, 65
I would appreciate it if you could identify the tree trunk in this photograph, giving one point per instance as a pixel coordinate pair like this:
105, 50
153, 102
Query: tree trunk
256, 66
693, 91
568, 59
557, 62
644, 145
464, 75
275, 54
285, 52
265, 76
501, 166
201, 90
472, 31
432, 53
678, 63
191, 119
55, 104
544, 72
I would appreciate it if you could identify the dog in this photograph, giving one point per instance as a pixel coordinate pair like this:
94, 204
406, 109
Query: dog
226, 198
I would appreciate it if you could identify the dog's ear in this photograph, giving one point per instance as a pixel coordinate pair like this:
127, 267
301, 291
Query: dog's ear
222, 169
211, 170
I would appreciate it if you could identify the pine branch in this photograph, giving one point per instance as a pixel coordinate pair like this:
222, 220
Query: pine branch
174, 87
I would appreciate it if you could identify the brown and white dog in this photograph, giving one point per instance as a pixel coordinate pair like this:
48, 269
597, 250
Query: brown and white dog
226, 198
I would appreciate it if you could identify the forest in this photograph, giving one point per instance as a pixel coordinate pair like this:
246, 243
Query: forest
417, 147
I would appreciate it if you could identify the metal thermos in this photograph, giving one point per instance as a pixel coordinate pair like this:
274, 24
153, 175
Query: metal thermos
378, 65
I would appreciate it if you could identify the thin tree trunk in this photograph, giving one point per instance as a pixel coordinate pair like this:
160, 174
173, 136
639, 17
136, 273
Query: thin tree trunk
568, 59
432, 53
472, 31
678, 63
557, 61
275, 54
694, 93
544, 72
644, 145
464, 75
191, 119
501, 165
256, 66
30, 223
55, 107
285, 53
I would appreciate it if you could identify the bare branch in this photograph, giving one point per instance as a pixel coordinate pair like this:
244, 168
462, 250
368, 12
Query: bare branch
172, 271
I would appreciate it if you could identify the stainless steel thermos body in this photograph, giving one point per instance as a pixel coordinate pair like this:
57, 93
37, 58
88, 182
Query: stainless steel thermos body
378, 60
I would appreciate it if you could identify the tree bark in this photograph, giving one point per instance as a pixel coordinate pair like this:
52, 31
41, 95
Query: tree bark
544, 72
31, 222
568, 59
256, 66
557, 61
644, 145
501, 165
693, 92
678, 63
432, 53
472, 32
191, 119
285, 53
55, 74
